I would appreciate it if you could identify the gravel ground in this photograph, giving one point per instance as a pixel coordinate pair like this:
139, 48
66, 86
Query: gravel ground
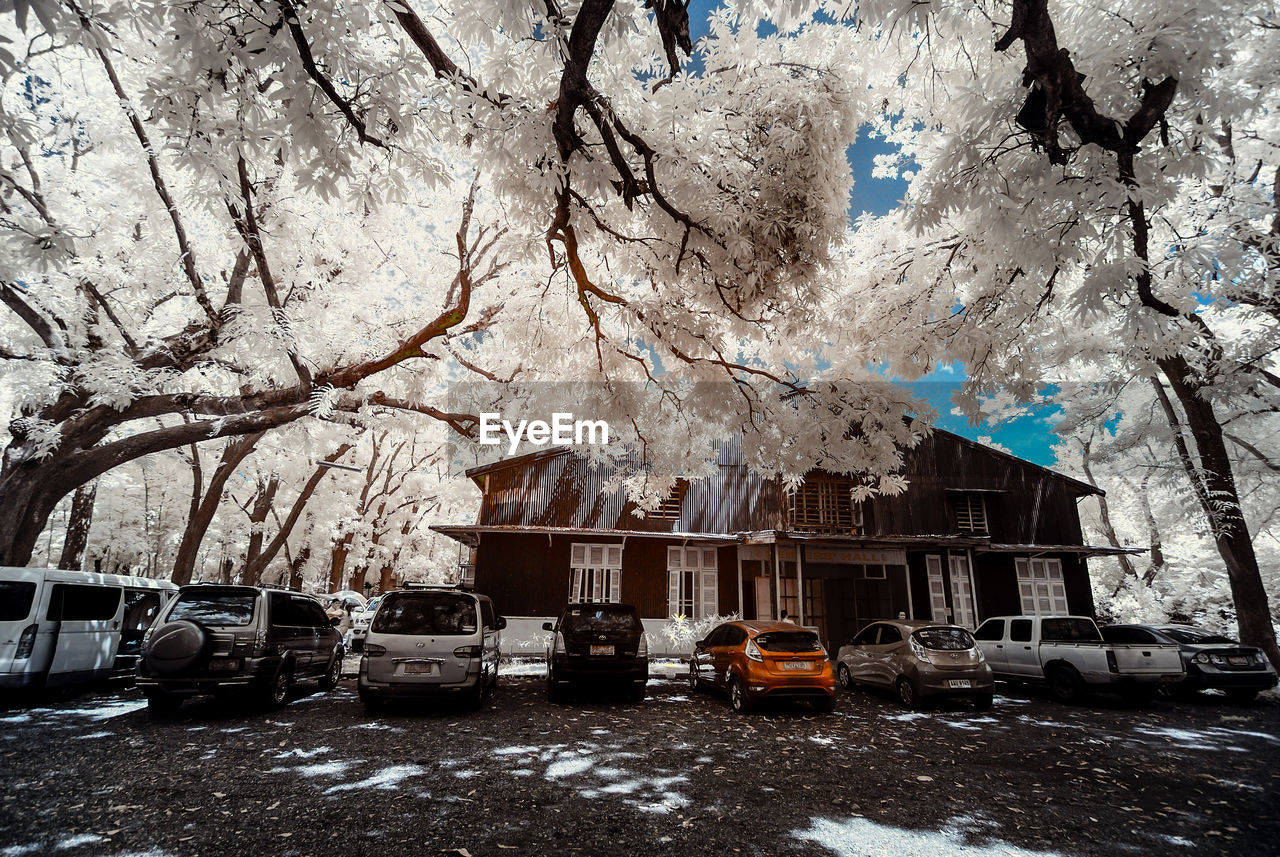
95, 776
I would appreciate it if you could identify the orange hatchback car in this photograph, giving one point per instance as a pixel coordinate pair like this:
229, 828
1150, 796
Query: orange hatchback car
758, 660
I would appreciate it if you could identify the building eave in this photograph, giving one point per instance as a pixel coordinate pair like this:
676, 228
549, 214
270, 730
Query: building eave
471, 534
1083, 550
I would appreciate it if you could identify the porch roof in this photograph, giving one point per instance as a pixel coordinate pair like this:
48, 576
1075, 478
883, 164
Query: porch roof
1083, 550
470, 534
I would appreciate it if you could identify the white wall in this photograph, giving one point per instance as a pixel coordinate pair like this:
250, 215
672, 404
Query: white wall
524, 637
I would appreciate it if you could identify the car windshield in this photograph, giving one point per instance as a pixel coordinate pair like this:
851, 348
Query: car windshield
789, 641
372, 606
1069, 630
440, 613
1194, 636
600, 618
214, 608
15, 599
945, 639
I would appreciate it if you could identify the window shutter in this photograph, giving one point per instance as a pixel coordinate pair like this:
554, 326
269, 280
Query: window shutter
708, 557
615, 557
710, 605
691, 557
673, 590
579, 555
575, 585
597, 555
937, 588
615, 586
673, 557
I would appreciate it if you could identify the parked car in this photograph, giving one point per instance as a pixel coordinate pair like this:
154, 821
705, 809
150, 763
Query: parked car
231, 640
757, 660
919, 659
431, 642
360, 620
61, 628
595, 645
1069, 655
1211, 660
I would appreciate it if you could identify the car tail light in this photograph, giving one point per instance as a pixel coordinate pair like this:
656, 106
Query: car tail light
752, 651
823, 651
1259, 660
373, 650
982, 659
919, 650
557, 644
642, 651
26, 643
1112, 666
259, 642
467, 652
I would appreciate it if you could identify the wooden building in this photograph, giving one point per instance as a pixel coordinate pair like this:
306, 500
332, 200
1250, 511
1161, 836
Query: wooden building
978, 533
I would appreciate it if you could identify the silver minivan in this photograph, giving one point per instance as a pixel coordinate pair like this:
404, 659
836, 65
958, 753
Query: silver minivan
60, 628
431, 642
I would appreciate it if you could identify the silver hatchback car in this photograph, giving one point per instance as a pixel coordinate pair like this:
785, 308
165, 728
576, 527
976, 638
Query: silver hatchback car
920, 660
431, 642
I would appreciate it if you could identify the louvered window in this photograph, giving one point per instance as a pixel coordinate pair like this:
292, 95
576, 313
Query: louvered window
825, 504
595, 573
670, 508
692, 585
971, 513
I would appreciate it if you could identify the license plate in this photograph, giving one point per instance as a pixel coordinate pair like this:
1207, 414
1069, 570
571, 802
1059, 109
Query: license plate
224, 665
1238, 662
960, 682
419, 669
796, 665
601, 650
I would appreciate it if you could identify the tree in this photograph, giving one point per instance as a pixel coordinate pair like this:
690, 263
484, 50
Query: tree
1083, 191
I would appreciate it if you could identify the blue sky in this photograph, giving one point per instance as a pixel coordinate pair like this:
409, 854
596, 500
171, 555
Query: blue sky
1029, 437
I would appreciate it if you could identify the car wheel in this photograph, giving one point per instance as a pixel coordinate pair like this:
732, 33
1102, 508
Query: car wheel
825, 704
907, 693
372, 702
982, 701
333, 675
1241, 694
738, 699
695, 683
637, 692
1065, 684
163, 704
555, 693
846, 679
278, 690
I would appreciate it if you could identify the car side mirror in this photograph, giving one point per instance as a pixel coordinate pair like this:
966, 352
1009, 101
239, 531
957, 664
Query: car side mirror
701, 643
335, 621
501, 623
547, 626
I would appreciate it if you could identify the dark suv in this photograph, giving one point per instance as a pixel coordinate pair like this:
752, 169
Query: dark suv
237, 639
596, 644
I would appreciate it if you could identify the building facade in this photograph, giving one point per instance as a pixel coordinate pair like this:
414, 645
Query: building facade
978, 533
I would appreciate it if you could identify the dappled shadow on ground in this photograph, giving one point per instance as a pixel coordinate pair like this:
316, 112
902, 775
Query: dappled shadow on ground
676, 774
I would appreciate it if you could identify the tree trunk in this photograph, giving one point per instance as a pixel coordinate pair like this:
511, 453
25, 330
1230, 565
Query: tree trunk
295, 567
77, 537
338, 562
203, 512
257, 523
1221, 503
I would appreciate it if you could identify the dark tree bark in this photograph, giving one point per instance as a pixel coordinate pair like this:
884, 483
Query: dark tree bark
77, 537
204, 503
257, 521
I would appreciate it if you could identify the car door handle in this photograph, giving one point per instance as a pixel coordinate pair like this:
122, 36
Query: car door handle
1026, 648
999, 645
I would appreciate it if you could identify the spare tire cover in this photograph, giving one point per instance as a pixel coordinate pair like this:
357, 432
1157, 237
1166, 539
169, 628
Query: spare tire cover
175, 646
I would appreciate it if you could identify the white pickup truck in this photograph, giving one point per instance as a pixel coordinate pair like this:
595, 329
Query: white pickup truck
1068, 654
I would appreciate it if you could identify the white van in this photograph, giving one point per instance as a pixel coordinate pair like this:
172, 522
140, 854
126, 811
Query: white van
59, 628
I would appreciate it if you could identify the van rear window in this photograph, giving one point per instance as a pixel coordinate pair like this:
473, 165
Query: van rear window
789, 641
214, 608
441, 614
945, 639
15, 599
601, 617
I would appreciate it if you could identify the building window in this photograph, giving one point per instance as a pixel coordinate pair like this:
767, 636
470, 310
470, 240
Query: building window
1041, 586
595, 573
670, 508
692, 582
971, 512
953, 576
824, 503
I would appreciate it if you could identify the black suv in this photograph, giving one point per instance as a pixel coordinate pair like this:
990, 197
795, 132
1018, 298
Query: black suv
237, 639
595, 644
